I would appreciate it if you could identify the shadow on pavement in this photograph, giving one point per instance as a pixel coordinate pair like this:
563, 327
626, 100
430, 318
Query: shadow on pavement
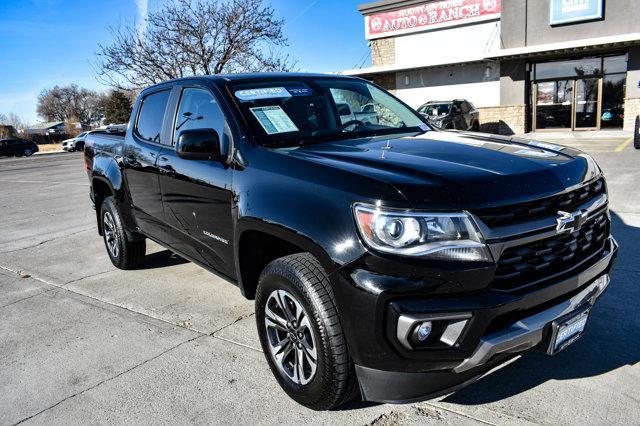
610, 342
161, 259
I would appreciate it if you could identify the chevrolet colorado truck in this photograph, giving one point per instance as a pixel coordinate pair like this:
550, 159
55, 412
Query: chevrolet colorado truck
390, 260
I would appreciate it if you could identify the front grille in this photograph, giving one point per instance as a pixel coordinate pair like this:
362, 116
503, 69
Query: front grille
569, 201
530, 263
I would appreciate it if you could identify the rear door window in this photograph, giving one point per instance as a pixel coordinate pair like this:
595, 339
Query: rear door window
151, 116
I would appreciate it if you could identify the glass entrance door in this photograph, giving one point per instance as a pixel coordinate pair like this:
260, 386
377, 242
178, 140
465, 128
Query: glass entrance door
587, 92
572, 104
554, 104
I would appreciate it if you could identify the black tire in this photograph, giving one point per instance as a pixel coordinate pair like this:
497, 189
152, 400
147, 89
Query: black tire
636, 133
301, 276
19, 154
124, 253
28, 152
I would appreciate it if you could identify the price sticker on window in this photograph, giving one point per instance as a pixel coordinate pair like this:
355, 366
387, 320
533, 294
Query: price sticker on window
273, 119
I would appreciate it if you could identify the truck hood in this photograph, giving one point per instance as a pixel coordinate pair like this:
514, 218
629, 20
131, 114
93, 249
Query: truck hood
455, 170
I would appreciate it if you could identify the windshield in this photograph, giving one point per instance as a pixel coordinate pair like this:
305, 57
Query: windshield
308, 110
436, 110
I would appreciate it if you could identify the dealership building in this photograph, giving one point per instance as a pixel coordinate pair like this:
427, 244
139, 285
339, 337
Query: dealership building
527, 65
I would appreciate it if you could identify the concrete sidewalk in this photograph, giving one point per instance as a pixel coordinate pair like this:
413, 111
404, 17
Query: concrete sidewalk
85, 343
590, 141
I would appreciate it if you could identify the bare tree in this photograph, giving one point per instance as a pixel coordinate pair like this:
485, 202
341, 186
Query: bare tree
70, 102
194, 37
16, 121
11, 124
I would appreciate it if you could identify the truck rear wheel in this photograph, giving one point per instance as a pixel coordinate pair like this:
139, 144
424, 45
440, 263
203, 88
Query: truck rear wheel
301, 335
124, 253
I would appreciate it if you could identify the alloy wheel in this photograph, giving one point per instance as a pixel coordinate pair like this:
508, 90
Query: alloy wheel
291, 341
110, 234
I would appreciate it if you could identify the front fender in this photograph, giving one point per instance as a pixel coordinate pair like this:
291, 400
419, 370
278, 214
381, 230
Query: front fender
306, 203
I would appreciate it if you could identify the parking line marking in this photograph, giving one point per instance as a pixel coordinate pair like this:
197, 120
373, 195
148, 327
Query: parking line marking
623, 145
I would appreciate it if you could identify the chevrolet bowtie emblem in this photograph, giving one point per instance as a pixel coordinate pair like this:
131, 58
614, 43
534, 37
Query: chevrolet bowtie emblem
570, 222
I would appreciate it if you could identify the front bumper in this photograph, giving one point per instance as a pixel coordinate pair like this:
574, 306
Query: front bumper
501, 327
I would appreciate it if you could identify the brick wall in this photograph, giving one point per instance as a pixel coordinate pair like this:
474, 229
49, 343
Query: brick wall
385, 80
503, 120
631, 111
383, 51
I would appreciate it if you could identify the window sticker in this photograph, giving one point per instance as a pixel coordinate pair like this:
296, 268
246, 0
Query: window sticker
273, 119
300, 91
262, 93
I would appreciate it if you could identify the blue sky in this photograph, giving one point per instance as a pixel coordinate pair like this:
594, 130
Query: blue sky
49, 42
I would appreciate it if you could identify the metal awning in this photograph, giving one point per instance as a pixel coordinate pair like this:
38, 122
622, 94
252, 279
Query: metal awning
406, 67
549, 49
573, 46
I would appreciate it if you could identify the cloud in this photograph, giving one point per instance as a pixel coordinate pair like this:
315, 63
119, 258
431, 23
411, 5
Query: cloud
143, 8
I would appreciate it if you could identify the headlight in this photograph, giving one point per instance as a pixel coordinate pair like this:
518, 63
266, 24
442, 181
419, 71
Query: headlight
447, 236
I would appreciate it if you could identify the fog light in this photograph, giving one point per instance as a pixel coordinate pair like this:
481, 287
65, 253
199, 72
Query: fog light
423, 331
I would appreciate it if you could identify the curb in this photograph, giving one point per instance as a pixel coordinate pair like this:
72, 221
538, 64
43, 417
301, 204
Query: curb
52, 154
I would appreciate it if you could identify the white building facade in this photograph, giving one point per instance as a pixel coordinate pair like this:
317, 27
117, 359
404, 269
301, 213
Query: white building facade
525, 64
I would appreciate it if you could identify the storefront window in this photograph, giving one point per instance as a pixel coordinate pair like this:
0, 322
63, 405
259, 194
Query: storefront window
569, 68
613, 92
586, 93
615, 64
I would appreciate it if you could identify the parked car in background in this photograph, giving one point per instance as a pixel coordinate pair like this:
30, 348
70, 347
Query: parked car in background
612, 117
458, 114
74, 144
366, 115
14, 147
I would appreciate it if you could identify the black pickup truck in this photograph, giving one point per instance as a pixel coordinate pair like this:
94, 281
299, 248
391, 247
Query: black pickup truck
386, 258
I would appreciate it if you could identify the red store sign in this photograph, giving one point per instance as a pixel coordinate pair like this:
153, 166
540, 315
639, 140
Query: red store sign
430, 15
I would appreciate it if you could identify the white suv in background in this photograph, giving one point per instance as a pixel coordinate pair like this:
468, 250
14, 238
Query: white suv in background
74, 144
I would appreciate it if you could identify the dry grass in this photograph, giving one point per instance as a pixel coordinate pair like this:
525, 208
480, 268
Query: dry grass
50, 147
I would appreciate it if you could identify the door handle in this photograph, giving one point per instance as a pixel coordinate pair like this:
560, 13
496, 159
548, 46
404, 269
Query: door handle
129, 159
167, 170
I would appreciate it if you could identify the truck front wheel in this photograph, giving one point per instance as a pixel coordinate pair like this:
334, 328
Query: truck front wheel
124, 253
301, 335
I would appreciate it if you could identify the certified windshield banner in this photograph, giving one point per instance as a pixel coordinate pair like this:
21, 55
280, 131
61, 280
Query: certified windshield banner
430, 15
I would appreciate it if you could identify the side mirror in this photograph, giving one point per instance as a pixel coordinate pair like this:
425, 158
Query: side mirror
199, 144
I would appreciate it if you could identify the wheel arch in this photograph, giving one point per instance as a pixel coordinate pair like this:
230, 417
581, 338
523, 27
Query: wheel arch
101, 188
258, 243
106, 181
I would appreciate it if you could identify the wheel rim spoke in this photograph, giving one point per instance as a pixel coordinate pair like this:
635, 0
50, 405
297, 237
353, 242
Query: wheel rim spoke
275, 320
282, 297
110, 234
290, 337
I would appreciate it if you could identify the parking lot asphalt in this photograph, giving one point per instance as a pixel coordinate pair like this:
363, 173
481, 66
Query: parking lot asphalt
83, 342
